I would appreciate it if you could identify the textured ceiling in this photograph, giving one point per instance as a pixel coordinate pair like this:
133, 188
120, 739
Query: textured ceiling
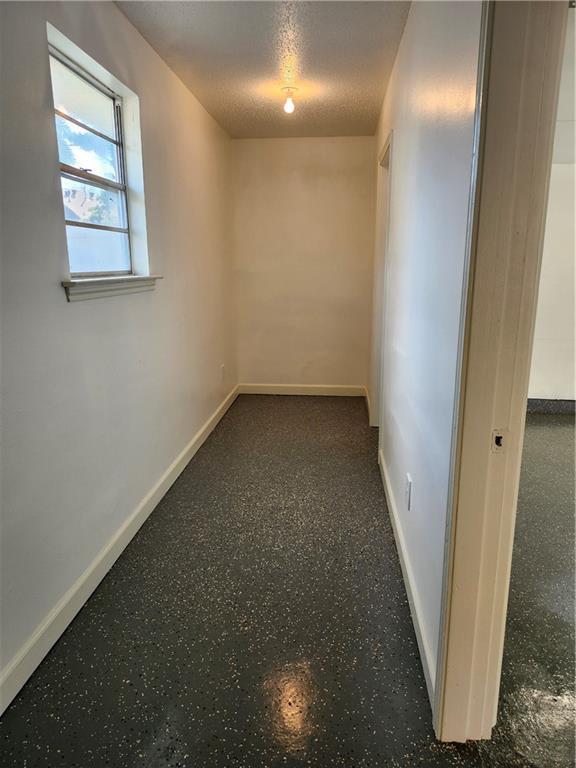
236, 56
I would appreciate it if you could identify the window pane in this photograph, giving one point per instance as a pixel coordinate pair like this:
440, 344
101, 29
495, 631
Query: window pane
85, 150
96, 250
77, 98
93, 205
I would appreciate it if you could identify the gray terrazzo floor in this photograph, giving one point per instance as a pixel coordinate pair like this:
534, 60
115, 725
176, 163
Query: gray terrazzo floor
259, 619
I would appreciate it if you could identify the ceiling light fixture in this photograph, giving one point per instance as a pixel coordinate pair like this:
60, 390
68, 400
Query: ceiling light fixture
289, 103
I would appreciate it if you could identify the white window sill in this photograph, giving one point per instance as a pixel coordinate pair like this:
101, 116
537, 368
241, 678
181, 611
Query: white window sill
82, 288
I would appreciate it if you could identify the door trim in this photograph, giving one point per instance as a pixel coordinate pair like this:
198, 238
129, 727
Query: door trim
379, 269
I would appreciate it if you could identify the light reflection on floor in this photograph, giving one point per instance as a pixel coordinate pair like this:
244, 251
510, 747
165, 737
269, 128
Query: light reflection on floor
541, 736
291, 693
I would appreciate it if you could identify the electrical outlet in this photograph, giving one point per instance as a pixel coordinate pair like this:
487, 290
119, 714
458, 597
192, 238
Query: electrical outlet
408, 492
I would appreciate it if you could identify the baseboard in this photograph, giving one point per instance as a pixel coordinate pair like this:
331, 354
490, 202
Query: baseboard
17, 672
426, 655
368, 408
341, 390
372, 421
547, 405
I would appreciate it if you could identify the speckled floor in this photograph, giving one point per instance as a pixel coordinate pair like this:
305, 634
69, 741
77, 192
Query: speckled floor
258, 619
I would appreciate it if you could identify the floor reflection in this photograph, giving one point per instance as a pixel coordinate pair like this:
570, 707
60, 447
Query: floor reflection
544, 729
290, 696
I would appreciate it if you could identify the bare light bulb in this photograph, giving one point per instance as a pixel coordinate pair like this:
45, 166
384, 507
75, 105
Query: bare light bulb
289, 92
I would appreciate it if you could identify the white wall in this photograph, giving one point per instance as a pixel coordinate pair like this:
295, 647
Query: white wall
303, 245
429, 106
99, 397
553, 375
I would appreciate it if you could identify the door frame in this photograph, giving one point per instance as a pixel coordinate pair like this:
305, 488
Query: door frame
380, 266
517, 133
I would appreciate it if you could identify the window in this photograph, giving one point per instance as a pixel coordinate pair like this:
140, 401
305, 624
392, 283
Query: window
88, 119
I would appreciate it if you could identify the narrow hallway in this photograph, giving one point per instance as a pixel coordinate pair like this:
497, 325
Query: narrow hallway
257, 619
269, 280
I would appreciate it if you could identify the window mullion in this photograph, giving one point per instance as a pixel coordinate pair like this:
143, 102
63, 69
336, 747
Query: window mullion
86, 127
90, 225
99, 181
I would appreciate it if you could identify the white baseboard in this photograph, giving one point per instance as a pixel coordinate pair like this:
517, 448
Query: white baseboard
19, 669
343, 390
372, 421
368, 408
426, 655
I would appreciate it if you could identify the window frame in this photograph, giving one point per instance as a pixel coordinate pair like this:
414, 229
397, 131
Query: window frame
78, 174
